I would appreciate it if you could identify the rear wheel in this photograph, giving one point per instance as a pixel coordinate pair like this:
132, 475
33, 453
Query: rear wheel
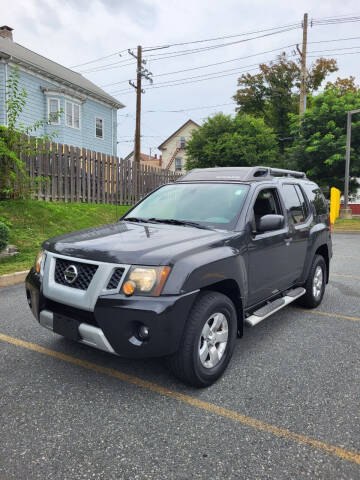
208, 341
315, 284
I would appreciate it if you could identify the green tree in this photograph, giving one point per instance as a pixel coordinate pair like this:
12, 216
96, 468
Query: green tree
15, 139
225, 141
343, 85
320, 144
274, 92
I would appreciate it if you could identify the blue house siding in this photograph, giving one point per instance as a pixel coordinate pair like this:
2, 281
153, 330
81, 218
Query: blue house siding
2, 94
91, 110
36, 109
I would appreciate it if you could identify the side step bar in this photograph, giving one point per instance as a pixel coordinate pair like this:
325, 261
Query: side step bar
272, 307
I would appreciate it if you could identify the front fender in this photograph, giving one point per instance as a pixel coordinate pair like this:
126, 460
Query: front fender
215, 264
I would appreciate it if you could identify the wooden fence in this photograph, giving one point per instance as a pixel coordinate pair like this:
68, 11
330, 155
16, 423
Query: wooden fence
73, 174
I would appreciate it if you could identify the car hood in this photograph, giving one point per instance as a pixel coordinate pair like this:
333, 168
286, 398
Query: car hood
135, 243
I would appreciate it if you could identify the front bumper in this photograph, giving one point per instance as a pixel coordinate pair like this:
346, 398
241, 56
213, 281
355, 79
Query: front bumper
114, 324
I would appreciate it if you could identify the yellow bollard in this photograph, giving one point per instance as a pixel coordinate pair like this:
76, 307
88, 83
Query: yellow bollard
334, 204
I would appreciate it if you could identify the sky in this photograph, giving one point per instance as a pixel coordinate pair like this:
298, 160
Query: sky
75, 32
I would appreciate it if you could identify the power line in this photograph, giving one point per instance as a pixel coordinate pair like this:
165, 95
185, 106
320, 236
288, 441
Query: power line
223, 37
335, 54
334, 21
190, 108
100, 58
335, 49
315, 21
181, 53
108, 66
239, 58
186, 83
210, 64
213, 75
121, 64
344, 16
335, 40
201, 76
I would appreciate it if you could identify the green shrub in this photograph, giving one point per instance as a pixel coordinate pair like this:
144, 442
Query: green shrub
4, 235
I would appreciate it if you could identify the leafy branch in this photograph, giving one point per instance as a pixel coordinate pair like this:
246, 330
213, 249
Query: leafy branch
15, 139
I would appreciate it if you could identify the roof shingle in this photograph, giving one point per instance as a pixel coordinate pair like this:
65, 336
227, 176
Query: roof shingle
34, 61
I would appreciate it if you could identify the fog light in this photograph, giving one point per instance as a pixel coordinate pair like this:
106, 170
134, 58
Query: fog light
129, 287
143, 332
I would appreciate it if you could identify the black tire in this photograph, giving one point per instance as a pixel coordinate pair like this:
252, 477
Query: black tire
309, 300
185, 363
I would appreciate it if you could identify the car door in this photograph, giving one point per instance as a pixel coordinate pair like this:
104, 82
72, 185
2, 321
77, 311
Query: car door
299, 219
268, 269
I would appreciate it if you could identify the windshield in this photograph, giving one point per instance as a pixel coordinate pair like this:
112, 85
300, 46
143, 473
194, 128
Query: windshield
210, 204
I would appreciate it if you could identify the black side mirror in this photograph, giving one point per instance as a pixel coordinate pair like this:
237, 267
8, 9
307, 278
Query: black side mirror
270, 222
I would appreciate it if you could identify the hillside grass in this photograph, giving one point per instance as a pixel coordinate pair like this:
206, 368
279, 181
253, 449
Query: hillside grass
31, 222
347, 224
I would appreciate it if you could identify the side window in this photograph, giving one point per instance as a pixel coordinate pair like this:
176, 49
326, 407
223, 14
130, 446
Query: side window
266, 203
304, 205
53, 111
317, 198
293, 204
178, 163
99, 127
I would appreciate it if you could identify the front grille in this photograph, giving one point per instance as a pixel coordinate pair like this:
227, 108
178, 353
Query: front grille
72, 312
115, 279
85, 271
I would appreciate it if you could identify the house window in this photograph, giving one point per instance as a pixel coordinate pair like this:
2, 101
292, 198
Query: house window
178, 163
72, 114
182, 142
99, 127
53, 111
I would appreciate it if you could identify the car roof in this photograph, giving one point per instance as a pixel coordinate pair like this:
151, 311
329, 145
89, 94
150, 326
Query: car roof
239, 174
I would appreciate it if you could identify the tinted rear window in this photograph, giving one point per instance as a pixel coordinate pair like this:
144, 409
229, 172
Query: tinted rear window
295, 206
316, 197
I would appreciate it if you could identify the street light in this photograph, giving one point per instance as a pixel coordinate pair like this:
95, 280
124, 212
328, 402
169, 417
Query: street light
347, 162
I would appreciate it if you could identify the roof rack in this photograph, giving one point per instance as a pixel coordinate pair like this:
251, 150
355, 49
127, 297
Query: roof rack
286, 173
237, 174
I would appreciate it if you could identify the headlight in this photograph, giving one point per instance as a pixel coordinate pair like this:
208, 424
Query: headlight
145, 281
38, 261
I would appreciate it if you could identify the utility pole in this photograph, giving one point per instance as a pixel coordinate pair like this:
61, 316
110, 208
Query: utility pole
302, 106
346, 212
140, 72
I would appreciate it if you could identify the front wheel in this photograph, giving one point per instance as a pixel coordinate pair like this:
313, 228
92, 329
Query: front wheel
208, 341
315, 284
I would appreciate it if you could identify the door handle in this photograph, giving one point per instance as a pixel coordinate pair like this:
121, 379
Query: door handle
287, 241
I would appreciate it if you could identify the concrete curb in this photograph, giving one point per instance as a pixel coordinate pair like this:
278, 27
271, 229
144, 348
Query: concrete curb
13, 278
352, 232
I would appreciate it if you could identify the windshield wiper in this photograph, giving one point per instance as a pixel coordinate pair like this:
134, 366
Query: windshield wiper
173, 221
136, 219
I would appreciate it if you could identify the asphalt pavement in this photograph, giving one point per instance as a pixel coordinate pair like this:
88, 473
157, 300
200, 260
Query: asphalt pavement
287, 407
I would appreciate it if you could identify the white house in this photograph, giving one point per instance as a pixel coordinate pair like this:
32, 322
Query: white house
173, 148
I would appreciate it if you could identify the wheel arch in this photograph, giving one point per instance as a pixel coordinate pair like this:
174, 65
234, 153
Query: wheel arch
323, 250
230, 288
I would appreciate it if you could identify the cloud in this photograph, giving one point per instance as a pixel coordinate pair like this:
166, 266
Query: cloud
140, 12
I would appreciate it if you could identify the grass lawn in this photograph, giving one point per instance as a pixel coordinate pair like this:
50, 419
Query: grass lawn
31, 222
347, 224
